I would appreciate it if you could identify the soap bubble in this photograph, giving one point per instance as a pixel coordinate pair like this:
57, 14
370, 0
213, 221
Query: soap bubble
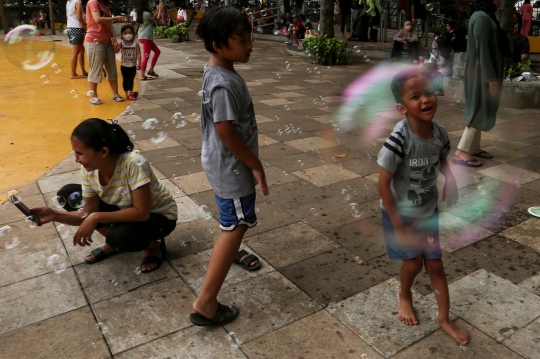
314, 212
158, 137
44, 78
430, 7
31, 222
76, 200
150, 124
177, 116
81, 212
355, 212
63, 230
131, 134
286, 107
23, 49
129, 110
56, 68
233, 341
138, 270
300, 163
57, 263
10, 236
58, 202
113, 282
205, 212
74, 93
103, 329
204, 96
15, 196
122, 191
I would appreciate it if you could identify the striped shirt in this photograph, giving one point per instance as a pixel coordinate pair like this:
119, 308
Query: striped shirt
129, 175
415, 163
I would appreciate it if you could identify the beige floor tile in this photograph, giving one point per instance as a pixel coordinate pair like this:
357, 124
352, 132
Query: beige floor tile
290, 244
290, 87
28, 260
175, 191
440, 346
158, 174
532, 284
266, 303
168, 100
325, 175
179, 89
330, 118
39, 298
67, 336
310, 143
117, 275
494, 305
188, 210
373, 316
192, 183
502, 154
277, 102
456, 233
68, 164
510, 174
317, 336
527, 341
317, 81
192, 342
129, 119
145, 314
373, 177
148, 145
288, 94
264, 119
268, 81
276, 176
193, 269
526, 233
265, 140
55, 182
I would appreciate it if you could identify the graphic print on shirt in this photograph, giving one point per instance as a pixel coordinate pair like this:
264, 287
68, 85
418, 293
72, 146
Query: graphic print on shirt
423, 180
251, 112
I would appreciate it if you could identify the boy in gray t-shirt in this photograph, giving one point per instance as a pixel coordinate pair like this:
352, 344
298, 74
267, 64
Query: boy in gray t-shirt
229, 154
409, 162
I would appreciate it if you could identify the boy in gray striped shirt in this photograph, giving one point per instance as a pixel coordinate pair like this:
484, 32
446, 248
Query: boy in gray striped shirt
410, 161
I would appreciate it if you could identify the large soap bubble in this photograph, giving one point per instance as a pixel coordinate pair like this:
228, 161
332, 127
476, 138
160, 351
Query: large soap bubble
24, 48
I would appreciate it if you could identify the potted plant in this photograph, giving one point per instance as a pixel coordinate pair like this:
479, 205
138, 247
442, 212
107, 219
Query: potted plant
327, 51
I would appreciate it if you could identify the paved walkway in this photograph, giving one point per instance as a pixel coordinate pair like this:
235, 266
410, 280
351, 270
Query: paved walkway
326, 288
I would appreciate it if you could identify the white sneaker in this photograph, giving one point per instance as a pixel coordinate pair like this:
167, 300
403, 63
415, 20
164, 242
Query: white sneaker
288, 42
295, 44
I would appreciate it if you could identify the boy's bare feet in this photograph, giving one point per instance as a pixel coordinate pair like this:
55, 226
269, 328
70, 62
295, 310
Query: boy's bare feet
406, 311
458, 334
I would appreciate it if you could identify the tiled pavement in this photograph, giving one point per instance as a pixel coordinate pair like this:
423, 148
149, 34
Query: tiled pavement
326, 288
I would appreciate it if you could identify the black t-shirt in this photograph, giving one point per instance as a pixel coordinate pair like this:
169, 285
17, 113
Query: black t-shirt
299, 3
419, 9
345, 6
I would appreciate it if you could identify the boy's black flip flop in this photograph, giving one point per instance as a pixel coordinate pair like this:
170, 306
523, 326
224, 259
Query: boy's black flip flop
99, 255
248, 258
224, 315
466, 163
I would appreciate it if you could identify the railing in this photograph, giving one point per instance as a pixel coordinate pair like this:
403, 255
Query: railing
383, 25
263, 13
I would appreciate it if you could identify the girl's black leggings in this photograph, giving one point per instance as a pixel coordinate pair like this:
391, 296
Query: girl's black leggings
128, 236
128, 77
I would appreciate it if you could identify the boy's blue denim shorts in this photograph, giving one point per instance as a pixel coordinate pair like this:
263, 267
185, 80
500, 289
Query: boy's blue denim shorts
236, 211
427, 234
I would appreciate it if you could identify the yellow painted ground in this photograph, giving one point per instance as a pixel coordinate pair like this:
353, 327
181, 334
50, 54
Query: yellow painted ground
36, 119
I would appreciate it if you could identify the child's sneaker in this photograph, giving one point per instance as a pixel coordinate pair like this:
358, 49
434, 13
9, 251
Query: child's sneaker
288, 42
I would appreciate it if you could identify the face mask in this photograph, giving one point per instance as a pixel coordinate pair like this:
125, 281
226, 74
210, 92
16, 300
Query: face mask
128, 37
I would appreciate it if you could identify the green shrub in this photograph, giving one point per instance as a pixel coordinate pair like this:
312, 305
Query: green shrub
325, 51
177, 33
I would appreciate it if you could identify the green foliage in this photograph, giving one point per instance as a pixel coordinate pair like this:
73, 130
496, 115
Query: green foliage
175, 33
517, 68
324, 50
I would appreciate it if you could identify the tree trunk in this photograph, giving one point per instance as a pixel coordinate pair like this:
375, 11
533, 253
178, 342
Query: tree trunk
506, 18
327, 18
51, 18
5, 24
287, 7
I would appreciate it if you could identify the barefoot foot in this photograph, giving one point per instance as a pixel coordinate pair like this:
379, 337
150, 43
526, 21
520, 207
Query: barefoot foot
458, 334
406, 311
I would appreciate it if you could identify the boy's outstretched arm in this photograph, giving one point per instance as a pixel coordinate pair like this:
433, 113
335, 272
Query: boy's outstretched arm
226, 131
403, 233
450, 190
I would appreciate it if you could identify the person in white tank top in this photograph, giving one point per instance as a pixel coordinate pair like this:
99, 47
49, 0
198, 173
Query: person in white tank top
131, 60
76, 30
